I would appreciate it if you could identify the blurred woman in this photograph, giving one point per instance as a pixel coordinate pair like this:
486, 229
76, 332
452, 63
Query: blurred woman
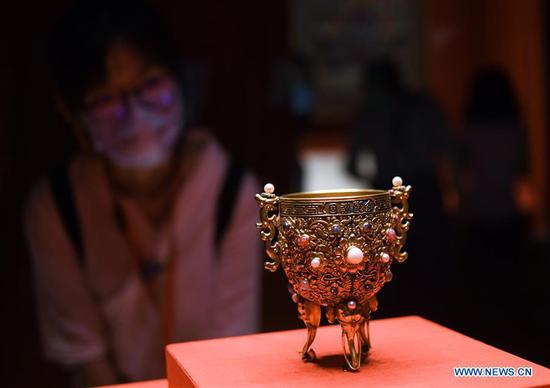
494, 151
493, 172
148, 235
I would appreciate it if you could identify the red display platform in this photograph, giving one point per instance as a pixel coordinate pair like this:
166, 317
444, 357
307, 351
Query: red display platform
407, 351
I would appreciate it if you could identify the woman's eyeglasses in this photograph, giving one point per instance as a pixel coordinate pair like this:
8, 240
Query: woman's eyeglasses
157, 93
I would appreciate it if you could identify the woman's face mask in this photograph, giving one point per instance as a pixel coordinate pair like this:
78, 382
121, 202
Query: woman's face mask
137, 125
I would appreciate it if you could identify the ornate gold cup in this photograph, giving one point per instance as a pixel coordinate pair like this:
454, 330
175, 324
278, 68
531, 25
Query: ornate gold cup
336, 248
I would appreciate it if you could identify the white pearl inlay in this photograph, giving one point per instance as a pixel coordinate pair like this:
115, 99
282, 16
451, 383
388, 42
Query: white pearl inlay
397, 181
354, 255
316, 262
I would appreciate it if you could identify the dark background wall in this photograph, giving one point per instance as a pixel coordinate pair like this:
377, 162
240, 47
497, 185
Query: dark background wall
236, 43
462, 36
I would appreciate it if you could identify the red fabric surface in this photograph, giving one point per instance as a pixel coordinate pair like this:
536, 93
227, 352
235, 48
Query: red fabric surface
407, 351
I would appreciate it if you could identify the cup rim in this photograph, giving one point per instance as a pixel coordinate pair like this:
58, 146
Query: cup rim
334, 195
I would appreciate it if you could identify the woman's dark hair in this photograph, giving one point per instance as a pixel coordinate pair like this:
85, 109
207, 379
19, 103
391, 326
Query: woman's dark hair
492, 98
81, 39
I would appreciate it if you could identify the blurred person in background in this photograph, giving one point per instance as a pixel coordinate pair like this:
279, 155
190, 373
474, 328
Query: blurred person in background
147, 236
407, 133
494, 201
293, 93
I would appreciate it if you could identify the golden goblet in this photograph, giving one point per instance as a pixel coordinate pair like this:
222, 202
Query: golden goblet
336, 248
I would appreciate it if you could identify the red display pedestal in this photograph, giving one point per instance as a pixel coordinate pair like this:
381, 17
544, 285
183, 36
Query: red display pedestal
407, 351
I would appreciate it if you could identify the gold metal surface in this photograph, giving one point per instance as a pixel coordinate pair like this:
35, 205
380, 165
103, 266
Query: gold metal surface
336, 248
333, 194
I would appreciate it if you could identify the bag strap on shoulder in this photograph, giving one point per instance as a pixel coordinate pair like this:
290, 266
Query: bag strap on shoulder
227, 199
64, 200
